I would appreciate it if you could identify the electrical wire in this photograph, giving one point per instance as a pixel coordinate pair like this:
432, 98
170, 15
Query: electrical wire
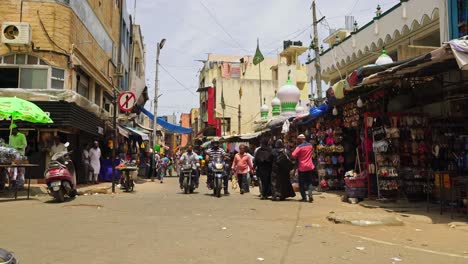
287, 36
354, 6
221, 26
175, 79
47, 33
296, 36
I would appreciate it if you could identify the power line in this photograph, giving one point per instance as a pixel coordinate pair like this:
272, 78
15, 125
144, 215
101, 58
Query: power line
296, 36
175, 79
354, 6
287, 36
221, 26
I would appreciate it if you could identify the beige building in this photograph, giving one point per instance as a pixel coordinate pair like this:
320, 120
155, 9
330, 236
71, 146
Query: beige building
289, 65
195, 121
68, 57
226, 75
71, 46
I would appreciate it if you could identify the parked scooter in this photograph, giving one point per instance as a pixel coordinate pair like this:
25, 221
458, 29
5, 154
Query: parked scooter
188, 172
61, 176
218, 176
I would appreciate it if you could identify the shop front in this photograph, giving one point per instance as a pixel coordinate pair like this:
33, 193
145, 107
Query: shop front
71, 124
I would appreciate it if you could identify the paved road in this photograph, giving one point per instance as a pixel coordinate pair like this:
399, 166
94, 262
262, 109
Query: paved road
158, 224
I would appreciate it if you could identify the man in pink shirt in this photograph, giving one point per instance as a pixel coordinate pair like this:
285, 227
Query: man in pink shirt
240, 166
303, 153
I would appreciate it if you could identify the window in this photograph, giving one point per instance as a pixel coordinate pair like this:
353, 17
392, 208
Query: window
33, 78
9, 77
58, 78
458, 14
226, 123
29, 72
83, 85
97, 94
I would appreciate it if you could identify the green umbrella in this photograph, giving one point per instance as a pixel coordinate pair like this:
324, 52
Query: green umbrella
19, 109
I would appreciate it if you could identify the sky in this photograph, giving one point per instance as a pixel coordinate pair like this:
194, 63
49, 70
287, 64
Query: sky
194, 28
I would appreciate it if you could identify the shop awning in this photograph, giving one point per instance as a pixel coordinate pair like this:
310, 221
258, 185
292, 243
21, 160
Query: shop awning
122, 131
430, 63
165, 125
144, 128
138, 132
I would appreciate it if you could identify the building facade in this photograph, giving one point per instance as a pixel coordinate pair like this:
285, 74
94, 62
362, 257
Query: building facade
409, 29
238, 83
185, 139
289, 66
64, 55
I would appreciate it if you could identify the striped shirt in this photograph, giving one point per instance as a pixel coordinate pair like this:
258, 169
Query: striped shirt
215, 153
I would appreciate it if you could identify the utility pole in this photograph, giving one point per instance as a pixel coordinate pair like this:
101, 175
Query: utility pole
114, 137
318, 71
239, 119
159, 46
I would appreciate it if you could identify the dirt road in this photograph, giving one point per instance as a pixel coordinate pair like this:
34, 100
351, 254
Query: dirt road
158, 224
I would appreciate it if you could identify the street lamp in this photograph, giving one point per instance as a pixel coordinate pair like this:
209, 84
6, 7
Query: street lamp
159, 46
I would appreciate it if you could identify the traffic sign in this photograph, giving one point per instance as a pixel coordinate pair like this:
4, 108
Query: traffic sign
126, 101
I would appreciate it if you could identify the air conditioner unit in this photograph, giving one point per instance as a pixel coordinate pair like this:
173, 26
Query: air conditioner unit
16, 33
119, 71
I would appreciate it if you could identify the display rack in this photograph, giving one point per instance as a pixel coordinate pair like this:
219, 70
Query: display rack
396, 153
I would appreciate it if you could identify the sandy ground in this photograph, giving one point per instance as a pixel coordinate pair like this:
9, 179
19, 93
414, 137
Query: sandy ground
159, 224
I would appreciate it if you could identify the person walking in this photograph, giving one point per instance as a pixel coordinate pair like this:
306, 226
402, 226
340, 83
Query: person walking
280, 176
95, 162
164, 165
240, 167
86, 162
303, 153
263, 165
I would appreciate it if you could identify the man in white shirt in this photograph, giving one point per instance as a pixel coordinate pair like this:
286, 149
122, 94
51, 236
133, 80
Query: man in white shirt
57, 147
95, 161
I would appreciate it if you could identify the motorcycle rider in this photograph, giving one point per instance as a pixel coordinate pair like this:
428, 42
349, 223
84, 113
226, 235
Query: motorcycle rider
192, 158
213, 153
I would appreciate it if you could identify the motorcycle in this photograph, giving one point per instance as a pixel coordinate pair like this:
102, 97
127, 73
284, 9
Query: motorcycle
218, 175
60, 176
188, 183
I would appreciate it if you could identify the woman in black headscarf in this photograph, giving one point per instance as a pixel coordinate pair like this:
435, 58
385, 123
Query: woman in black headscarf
280, 176
263, 165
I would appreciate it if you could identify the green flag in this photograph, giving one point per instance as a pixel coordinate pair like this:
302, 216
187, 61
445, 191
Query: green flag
258, 55
223, 104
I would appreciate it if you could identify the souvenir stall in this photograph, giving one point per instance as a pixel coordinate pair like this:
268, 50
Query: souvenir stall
416, 146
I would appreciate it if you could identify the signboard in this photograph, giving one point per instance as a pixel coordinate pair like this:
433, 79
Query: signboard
126, 101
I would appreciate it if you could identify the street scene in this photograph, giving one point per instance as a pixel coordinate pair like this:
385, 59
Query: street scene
204, 131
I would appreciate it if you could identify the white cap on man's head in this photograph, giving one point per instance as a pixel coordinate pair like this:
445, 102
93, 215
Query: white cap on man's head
301, 136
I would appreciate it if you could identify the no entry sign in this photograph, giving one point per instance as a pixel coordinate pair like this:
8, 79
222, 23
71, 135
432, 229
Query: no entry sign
126, 101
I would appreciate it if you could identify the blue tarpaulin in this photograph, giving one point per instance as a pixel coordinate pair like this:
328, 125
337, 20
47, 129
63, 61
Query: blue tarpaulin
314, 113
167, 126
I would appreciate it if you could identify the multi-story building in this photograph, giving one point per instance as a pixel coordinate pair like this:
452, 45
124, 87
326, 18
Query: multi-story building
64, 56
194, 121
290, 66
185, 122
224, 76
409, 29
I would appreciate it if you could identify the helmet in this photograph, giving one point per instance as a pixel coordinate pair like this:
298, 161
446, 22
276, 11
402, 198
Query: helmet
215, 139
